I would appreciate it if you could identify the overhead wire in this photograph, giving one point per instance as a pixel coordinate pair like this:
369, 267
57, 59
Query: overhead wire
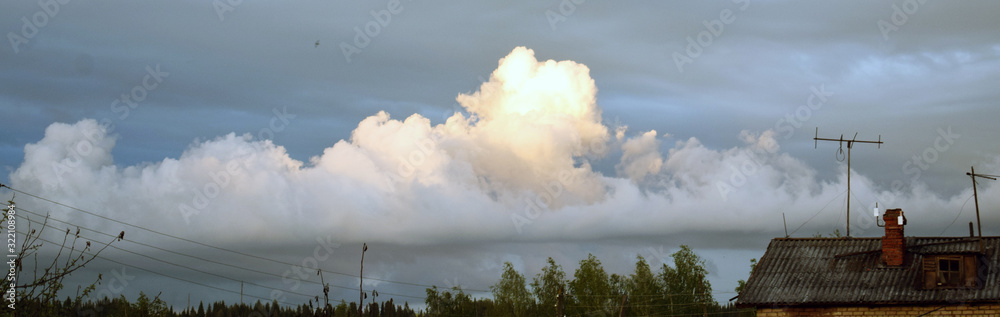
817, 212
255, 256
960, 210
158, 273
195, 257
215, 247
163, 249
171, 263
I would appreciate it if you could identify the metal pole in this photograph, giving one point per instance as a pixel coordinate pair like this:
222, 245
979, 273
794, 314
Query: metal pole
975, 195
361, 284
848, 188
850, 145
785, 223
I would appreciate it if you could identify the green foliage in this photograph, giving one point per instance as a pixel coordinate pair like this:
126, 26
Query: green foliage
680, 289
743, 283
444, 303
36, 293
151, 307
643, 282
686, 283
511, 292
591, 288
144, 306
546, 286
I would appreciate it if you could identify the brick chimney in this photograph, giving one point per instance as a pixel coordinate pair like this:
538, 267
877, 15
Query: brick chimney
893, 243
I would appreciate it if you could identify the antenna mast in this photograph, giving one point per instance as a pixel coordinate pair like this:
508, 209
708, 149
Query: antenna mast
850, 144
975, 194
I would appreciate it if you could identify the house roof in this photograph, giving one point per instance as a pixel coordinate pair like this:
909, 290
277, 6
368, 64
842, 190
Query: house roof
850, 271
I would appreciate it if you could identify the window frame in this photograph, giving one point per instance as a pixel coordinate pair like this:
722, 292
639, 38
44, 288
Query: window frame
934, 277
952, 275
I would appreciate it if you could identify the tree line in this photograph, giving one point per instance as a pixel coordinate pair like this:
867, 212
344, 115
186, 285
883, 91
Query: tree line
144, 306
678, 290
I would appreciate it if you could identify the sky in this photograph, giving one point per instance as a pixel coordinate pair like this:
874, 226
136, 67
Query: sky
451, 137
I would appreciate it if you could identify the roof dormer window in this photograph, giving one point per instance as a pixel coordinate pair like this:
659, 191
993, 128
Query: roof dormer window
950, 271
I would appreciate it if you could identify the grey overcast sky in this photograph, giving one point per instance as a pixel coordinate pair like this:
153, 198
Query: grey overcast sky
454, 136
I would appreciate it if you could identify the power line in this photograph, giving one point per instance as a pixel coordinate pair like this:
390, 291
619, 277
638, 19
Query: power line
161, 274
212, 246
960, 210
198, 270
259, 257
165, 250
817, 212
174, 264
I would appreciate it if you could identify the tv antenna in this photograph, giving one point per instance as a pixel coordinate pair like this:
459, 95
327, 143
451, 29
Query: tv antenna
975, 194
840, 154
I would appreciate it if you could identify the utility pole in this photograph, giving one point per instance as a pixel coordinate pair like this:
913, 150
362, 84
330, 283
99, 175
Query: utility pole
785, 224
975, 194
326, 291
361, 285
850, 144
